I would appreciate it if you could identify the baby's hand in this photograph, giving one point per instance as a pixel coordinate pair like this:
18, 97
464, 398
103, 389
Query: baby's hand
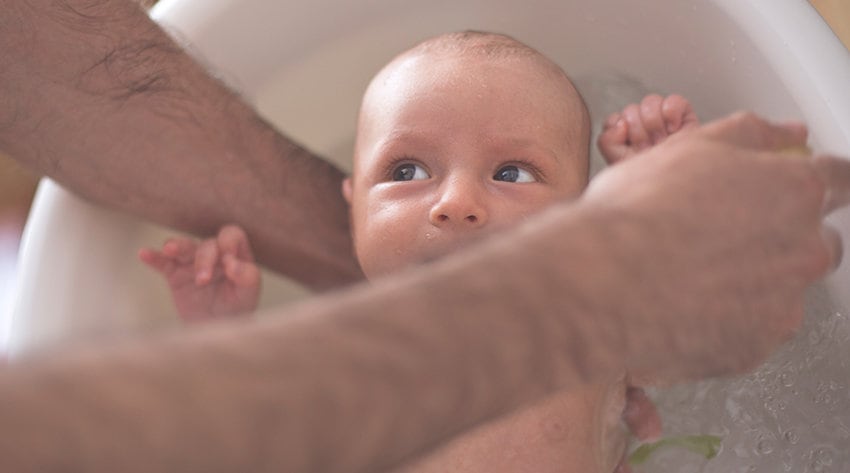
642, 126
216, 277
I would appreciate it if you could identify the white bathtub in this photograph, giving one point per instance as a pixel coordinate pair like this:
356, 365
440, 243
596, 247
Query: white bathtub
305, 65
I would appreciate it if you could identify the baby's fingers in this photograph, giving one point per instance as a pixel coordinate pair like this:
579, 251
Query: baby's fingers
175, 252
652, 118
232, 240
241, 273
181, 250
156, 260
206, 258
678, 114
613, 141
638, 136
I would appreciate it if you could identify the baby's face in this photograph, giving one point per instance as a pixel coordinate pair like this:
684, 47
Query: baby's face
450, 149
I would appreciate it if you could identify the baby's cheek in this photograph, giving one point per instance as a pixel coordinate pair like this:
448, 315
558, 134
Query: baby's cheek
384, 245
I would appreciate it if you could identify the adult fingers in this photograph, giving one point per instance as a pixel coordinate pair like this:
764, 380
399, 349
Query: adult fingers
748, 130
652, 117
206, 258
832, 239
835, 174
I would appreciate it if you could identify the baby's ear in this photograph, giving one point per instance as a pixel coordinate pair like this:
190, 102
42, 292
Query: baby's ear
346, 189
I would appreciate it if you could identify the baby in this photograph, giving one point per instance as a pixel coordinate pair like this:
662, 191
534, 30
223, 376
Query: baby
458, 137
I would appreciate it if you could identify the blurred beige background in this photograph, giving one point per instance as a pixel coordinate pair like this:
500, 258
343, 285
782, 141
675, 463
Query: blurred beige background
17, 185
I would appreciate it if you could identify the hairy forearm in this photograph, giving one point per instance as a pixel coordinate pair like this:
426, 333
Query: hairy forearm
95, 95
353, 382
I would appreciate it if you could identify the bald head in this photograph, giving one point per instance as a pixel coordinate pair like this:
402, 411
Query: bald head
493, 45
476, 47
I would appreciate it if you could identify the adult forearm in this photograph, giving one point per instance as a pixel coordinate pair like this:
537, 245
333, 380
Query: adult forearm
96, 96
676, 279
355, 382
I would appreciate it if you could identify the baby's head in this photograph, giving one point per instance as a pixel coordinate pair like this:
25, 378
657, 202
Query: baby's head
461, 135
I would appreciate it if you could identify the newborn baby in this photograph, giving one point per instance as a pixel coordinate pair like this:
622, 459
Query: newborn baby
461, 136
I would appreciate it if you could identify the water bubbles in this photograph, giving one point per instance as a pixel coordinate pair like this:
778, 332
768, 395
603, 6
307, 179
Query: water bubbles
771, 404
764, 447
792, 415
823, 392
733, 409
740, 451
814, 338
823, 456
787, 460
815, 467
791, 437
822, 459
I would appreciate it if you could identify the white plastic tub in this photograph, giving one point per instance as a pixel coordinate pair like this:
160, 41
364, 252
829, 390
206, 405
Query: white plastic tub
305, 65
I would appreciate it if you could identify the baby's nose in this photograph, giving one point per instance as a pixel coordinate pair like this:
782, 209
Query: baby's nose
460, 205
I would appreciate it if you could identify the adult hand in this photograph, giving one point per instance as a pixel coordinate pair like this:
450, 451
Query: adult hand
718, 234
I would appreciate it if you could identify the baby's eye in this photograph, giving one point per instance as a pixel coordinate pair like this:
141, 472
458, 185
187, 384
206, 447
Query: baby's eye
410, 172
513, 174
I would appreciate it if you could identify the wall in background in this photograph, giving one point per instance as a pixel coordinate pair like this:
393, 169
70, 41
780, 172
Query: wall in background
837, 14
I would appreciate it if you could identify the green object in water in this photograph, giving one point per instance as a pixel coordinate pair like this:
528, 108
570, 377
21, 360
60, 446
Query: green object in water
706, 445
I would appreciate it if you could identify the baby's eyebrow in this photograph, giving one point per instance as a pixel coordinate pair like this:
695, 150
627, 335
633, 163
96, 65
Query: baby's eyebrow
404, 132
407, 137
523, 144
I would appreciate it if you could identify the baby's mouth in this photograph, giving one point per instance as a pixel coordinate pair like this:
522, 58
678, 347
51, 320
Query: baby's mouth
439, 249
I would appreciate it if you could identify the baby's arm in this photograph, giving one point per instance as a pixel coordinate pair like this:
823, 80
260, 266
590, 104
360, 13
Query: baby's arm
213, 278
642, 126
636, 128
